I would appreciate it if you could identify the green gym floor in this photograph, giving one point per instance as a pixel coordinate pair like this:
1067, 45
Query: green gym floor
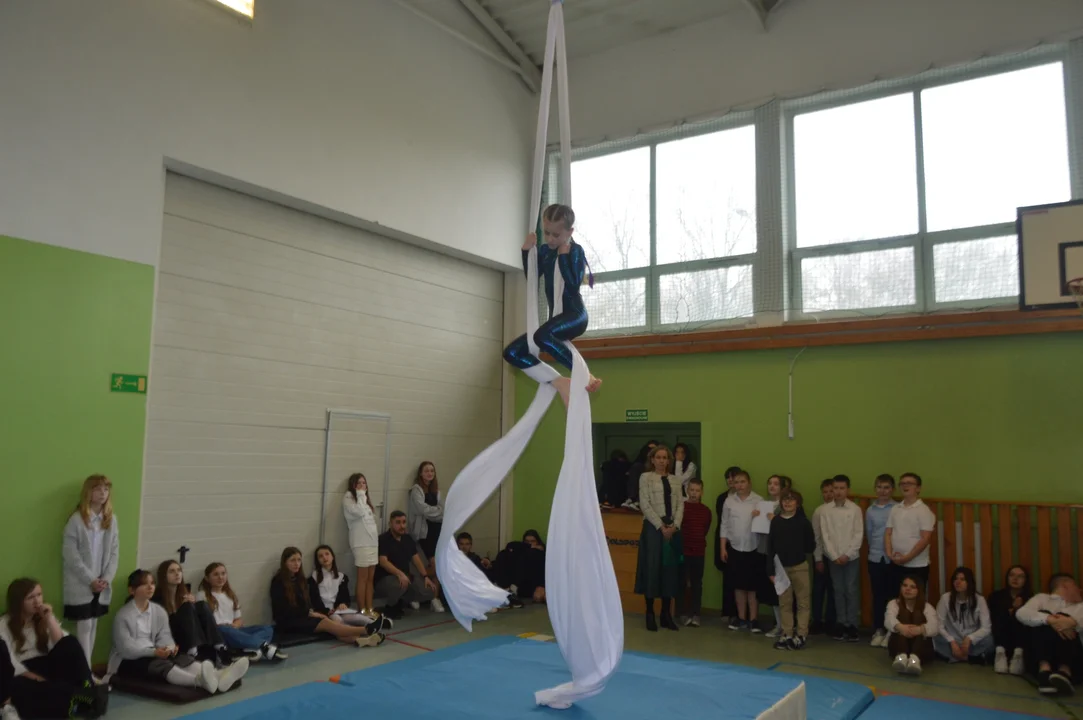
425, 631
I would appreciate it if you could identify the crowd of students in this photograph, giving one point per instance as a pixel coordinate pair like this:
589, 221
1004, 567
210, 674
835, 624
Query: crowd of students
762, 549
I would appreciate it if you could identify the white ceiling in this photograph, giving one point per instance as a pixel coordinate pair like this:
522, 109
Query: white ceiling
594, 26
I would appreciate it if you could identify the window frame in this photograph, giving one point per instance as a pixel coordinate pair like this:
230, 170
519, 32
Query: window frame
923, 241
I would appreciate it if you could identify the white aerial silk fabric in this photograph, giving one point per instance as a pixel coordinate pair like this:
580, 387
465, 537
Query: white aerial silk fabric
580, 585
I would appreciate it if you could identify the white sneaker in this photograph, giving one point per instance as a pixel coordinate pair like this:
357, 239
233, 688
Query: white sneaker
685, 621
374, 640
1015, 667
414, 605
694, 622
1000, 664
208, 677
229, 675
878, 639
913, 665
8, 712
438, 606
899, 665
773, 632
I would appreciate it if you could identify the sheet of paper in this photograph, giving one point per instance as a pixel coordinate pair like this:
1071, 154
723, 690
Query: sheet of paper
760, 523
782, 580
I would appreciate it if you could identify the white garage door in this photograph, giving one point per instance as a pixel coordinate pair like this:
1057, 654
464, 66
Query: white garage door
267, 317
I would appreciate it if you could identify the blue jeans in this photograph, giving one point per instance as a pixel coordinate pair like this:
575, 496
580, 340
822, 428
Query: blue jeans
846, 582
249, 637
979, 649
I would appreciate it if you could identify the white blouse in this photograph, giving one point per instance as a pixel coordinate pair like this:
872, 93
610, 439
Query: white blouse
736, 525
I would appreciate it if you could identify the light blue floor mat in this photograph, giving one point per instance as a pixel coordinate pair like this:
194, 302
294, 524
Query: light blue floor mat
899, 707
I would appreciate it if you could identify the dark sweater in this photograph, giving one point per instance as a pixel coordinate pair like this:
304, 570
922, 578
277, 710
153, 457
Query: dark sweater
694, 528
791, 539
1002, 614
285, 614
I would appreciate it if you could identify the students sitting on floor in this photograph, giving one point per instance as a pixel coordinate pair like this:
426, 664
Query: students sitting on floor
1054, 654
291, 607
43, 670
398, 553
329, 590
911, 623
144, 648
191, 623
791, 540
1009, 636
255, 640
965, 626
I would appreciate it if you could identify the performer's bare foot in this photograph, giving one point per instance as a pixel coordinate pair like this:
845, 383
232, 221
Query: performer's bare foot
564, 387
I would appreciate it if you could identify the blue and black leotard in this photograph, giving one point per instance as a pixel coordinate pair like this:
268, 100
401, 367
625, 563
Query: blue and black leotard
570, 323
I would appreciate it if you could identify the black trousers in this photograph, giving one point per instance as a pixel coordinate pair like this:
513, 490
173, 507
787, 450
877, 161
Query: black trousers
898, 573
1046, 645
193, 626
693, 578
66, 675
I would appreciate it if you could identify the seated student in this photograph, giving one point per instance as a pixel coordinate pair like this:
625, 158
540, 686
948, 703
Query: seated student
255, 640
144, 648
965, 627
45, 672
329, 590
1054, 654
191, 623
291, 607
1008, 635
465, 542
910, 623
398, 554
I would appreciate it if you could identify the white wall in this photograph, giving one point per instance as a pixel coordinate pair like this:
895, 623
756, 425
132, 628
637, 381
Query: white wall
356, 106
811, 45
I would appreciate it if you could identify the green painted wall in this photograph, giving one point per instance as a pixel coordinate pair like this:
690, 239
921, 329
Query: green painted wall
68, 320
990, 418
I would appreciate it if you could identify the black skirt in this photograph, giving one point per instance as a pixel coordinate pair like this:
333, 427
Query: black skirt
745, 570
89, 611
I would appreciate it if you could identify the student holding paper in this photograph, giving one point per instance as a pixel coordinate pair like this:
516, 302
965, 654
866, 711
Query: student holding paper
790, 541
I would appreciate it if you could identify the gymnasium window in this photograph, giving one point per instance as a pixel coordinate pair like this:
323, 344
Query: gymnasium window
898, 197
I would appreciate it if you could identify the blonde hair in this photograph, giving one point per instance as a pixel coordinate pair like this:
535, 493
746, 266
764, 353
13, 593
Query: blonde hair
560, 213
655, 451
83, 508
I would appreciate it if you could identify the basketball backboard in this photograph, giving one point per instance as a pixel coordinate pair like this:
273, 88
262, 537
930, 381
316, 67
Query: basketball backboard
1050, 254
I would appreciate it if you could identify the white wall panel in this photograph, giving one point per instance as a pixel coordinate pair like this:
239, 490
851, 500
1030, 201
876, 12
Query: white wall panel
265, 318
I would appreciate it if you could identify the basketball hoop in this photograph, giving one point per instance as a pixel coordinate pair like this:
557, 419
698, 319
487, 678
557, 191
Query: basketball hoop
1076, 288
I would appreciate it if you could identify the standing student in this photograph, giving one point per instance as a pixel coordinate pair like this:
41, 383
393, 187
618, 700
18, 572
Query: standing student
291, 607
216, 592
911, 623
683, 466
765, 593
91, 550
1009, 636
739, 549
842, 530
658, 571
729, 598
791, 540
823, 594
425, 511
364, 538
880, 572
909, 531
330, 590
46, 674
965, 626
144, 648
694, 529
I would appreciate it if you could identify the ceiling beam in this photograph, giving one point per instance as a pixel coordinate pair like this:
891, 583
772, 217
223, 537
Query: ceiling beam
757, 8
527, 69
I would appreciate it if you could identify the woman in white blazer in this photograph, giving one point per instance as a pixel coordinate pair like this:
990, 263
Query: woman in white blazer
91, 549
364, 538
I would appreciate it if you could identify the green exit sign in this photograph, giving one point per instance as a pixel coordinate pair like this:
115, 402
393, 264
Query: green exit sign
128, 383
635, 416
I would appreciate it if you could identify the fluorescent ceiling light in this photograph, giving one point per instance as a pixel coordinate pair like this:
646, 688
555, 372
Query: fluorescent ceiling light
241, 7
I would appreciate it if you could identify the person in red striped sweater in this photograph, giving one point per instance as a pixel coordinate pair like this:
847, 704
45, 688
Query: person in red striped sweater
694, 528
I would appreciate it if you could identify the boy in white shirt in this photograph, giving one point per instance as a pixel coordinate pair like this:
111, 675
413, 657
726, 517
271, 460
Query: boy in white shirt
823, 595
909, 532
1055, 655
842, 530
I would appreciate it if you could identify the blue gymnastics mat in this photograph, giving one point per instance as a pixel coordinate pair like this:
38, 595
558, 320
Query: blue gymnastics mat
495, 679
900, 707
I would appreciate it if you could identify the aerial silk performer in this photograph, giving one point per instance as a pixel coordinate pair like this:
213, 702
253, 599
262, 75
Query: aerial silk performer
581, 588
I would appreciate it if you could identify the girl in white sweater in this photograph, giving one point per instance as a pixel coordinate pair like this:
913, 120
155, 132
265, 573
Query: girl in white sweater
965, 624
91, 550
364, 538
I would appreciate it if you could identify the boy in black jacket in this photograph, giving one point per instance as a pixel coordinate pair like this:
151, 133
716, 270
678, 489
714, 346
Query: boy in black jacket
791, 540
